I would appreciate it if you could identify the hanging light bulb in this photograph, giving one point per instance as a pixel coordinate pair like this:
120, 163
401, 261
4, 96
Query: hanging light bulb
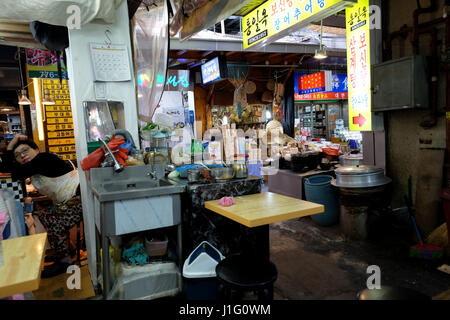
47, 98
321, 53
23, 99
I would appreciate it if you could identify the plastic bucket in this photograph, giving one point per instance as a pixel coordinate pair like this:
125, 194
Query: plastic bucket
318, 189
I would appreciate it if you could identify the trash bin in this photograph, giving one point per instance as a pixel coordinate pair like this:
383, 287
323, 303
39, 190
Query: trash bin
318, 189
199, 272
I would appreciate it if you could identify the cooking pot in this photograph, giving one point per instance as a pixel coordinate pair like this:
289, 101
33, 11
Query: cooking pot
222, 173
193, 175
240, 170
360, 177
351, 160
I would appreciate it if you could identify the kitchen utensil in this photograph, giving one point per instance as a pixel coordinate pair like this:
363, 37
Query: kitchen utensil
240, 170
222, 174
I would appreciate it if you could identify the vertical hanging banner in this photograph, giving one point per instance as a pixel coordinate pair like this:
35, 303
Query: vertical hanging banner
358, 67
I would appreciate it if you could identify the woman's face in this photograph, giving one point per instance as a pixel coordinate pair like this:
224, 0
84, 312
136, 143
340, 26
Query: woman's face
24, 153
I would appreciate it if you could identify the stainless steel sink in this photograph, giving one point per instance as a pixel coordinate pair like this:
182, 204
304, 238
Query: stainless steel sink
132, 201
132, 183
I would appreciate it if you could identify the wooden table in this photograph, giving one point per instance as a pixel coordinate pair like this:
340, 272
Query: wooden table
23, 260
264, 208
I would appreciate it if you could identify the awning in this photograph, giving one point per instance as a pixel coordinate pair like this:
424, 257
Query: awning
15, 16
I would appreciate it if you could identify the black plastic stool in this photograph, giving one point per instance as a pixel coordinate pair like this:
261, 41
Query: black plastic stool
391, 293
247, 273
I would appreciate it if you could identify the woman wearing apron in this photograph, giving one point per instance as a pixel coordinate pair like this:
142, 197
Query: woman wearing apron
58, 180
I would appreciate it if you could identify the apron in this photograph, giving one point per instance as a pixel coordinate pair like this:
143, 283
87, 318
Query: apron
59, 189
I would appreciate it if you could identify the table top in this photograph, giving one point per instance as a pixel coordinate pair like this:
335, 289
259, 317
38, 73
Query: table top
23, 259
264, 208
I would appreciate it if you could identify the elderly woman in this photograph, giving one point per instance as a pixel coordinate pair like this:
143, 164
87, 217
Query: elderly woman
58, 180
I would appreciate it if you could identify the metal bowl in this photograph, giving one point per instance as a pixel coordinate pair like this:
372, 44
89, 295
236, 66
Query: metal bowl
360, 177
222, 173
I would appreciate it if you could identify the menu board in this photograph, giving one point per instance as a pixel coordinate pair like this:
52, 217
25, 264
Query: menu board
339, 89
58, 120
315, 82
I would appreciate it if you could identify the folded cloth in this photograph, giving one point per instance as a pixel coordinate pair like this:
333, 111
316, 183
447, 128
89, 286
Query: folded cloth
136, 254
226, 201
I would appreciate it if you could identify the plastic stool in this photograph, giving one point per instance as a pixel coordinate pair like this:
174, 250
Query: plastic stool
391, 293
246, 273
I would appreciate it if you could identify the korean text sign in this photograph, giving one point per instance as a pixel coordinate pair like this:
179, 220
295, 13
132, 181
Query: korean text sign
274, 16
315, 82
358, 66
43, 64
339, 89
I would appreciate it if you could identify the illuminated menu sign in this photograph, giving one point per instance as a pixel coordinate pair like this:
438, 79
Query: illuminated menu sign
358, 67
280, 17
316, 82
339, 89
43, 64
211, 70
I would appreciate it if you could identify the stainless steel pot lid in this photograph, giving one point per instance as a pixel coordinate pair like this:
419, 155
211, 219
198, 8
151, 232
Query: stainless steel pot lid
352, 157
360, 177
358, 170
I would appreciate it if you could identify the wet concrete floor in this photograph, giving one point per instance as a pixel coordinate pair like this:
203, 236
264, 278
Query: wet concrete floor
318, 263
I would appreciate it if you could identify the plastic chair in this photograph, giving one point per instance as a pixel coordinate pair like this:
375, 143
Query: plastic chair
391, 293
247, 273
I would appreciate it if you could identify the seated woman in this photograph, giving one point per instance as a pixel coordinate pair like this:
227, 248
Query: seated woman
56, 179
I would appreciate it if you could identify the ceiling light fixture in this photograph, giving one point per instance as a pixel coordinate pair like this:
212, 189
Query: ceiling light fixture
23, 99
321, 53
47, 98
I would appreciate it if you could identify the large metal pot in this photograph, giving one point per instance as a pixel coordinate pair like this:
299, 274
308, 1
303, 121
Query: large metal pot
360, 177
240, 170
193, 175
222, 173
351, 160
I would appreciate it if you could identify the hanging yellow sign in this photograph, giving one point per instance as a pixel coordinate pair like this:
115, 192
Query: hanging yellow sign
60, 134
55, 142
53, 127
59, 120
62, 149
358, 67
281, 17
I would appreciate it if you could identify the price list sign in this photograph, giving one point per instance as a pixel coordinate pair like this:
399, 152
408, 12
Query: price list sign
358, 66
59, 123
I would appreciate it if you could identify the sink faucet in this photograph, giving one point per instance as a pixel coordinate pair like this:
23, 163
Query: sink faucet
153, 172
117, 166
